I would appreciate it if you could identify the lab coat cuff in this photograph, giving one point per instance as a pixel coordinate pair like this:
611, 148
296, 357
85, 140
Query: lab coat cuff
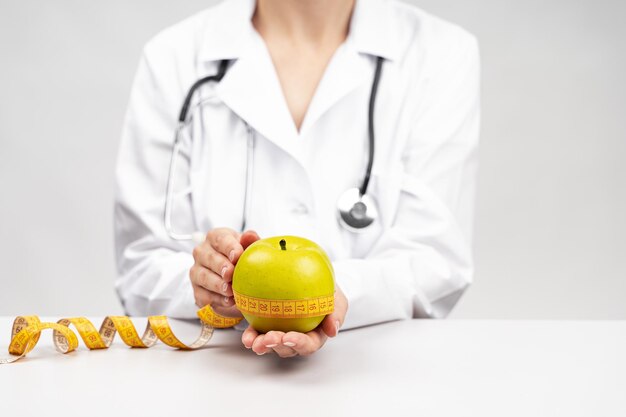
438, 286
377, 290
183, 303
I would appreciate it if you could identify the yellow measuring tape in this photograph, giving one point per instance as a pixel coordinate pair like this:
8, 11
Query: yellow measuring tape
286, 309
27, 329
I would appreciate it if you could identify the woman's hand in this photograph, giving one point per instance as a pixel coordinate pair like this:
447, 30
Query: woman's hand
212, 273
291, 344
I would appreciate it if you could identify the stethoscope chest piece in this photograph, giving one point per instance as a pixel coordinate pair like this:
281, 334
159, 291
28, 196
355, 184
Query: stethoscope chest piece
356, 212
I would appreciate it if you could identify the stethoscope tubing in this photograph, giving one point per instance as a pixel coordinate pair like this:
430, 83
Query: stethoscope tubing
370, 126
362, 197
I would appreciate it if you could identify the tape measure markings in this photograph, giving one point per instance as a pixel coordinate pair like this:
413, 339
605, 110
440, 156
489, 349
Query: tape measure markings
268, 308
26, 330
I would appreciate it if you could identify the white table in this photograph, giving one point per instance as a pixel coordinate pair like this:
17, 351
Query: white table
416, 368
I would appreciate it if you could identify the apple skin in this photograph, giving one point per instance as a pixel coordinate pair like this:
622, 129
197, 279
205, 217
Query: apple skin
301, 271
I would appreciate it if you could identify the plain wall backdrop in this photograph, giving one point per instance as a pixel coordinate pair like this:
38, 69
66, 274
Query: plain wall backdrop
550, 227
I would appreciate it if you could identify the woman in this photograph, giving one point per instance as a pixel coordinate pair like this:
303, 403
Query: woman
299, 76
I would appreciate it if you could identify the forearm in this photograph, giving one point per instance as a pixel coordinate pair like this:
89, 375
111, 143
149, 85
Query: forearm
156, 282
405, 286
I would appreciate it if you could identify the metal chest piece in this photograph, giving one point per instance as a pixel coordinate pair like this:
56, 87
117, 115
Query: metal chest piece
355, 211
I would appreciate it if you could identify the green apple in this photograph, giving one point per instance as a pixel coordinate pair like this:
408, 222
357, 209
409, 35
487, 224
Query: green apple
284, 268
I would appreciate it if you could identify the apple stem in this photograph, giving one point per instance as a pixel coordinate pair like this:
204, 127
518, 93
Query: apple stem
283, 244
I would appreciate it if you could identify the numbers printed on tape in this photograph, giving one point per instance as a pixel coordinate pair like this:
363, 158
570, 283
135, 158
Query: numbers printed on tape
311, 307
26, 330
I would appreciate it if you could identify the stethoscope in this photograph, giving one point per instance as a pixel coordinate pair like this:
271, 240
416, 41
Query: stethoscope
356, 210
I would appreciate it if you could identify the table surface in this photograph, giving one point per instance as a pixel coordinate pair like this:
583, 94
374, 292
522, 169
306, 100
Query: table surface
417, 367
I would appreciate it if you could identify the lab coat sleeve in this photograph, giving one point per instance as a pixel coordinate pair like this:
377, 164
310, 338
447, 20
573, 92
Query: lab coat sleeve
152, 268
422, 262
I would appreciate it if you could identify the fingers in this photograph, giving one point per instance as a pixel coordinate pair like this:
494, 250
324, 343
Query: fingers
231, 311
285, 352
286, 345
333, 322
271, 342
330, 326
262, 344
221, 250
248, 238
209, 288
205, 297
217, 262
258, 346
248, 336
305, 344
209, 280
212, 272
274, 340
226, 242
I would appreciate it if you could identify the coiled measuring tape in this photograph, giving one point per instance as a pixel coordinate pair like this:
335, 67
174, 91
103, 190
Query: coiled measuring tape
26, 330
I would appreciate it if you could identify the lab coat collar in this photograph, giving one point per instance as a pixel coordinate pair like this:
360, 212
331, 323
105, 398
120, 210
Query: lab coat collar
228, 28
373, 31
251, 88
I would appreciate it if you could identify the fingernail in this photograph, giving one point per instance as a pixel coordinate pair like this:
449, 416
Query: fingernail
290, 344
231, 255
261, 354
224, 287
337, 325
224, 268
248, 347
272, 345
226, 300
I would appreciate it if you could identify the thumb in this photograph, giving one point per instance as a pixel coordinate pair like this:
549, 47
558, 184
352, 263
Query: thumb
332, 322
248, 238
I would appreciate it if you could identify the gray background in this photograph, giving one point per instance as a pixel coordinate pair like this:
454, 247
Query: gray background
550, 239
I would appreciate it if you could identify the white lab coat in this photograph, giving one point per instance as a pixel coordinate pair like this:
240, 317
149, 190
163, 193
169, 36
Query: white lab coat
415, 261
